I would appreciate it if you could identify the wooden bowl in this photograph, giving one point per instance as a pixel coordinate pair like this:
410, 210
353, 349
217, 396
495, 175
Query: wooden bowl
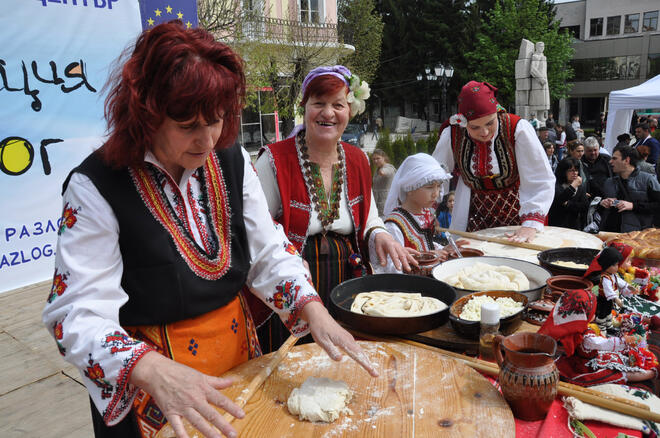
470, 329
582, 256
467, 252
559, 284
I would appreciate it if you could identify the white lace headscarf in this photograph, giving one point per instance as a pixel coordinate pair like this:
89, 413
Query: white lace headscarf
416, 171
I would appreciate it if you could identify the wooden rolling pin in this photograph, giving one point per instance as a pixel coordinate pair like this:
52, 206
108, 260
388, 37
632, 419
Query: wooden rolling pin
260, 378
587, 395
500, 240
247, 393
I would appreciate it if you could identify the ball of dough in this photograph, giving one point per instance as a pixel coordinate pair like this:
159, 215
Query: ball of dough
320, 399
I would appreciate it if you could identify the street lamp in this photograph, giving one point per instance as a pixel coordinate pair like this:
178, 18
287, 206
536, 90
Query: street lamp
429, 77
444, 73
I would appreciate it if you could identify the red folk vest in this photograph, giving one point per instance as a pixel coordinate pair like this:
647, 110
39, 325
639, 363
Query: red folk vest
294, 195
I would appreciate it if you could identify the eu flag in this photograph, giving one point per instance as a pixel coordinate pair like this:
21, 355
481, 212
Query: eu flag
154, 12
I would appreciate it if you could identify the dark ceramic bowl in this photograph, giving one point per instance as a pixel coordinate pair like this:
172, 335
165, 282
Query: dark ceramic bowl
582, 256
427, 261
467, 252
559, 284
470, 329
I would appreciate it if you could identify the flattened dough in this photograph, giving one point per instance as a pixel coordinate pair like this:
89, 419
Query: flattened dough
481, 276
320, 399
397, 304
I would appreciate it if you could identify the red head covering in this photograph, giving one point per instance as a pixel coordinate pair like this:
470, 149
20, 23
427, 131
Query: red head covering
624, 249
569, 319
477, 99
603, 260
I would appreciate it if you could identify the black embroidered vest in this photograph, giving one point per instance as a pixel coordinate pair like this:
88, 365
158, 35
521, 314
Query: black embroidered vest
166, 275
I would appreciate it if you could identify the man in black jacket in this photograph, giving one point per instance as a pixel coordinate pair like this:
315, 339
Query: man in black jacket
596, 166
631, 197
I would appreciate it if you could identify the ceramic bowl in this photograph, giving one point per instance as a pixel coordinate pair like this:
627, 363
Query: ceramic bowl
582, 256
536, 274
470, 329
427, 261
559, 284
467, 252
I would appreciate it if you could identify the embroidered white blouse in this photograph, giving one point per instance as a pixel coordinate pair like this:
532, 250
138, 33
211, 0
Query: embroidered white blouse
537, 182
610, 291
342, 225
84, 304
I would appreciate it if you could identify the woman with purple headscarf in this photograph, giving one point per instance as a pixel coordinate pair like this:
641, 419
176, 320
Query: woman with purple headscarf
319, 188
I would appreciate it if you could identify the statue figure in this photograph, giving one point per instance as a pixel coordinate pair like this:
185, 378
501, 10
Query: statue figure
539, 96
532, 92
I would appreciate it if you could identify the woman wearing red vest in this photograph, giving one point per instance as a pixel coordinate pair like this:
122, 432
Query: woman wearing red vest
319, 188
164, 229
505, 177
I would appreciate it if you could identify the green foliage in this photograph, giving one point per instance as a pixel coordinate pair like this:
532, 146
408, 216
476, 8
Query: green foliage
399, 152
409, 144
497, 44
384, 143
360, 25
422, 146
432, 140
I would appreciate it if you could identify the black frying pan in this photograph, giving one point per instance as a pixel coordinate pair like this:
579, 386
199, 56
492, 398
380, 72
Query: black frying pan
342, 297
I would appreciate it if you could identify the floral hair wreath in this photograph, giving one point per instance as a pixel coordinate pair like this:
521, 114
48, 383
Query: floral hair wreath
359, 91
458, 119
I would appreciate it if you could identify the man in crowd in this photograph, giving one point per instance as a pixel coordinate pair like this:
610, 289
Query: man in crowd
644, 138
631, 197
596, 166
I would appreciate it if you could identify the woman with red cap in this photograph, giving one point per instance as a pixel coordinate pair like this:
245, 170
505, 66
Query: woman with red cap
505, 178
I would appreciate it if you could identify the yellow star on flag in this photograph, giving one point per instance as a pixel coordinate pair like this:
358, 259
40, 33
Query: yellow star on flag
169, 9
179, 15
188, 24
150, 21
158, 12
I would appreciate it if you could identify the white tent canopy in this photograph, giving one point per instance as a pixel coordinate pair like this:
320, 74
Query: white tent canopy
621, 106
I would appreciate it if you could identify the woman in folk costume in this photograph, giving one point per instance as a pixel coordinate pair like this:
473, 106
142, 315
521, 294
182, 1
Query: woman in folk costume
165, 227
505, 178
319, 188
603, 271
589, 358
409, 205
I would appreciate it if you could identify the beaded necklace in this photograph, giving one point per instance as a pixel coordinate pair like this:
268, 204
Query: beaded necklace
327, 211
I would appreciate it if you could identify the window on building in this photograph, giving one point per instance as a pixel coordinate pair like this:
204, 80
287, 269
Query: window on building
596, 28
603, 69
650, 21
415, 108
573, 30
653, 65
309, 11
631, 23
436, 107
614, 25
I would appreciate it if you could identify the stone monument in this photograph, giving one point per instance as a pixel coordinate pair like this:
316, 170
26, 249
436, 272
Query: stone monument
532, 91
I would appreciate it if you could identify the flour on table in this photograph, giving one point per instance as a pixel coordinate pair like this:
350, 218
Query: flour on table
320, 399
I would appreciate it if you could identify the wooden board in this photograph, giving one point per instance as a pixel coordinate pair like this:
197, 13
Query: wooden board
418, 394
445, 337
554, 237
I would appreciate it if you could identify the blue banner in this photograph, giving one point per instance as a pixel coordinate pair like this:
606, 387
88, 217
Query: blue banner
55, 58
155, 12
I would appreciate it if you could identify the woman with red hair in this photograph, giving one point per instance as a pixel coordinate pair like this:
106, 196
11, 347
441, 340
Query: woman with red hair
166, 229
319, 188
505, 177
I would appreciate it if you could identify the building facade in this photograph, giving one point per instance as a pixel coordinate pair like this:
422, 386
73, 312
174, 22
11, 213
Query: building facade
617, 46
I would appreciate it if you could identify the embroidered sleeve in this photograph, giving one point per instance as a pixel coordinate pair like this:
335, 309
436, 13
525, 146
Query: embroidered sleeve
593, 342
537, 183
264, 167
608, 288
277, 275
82, 309
624, 287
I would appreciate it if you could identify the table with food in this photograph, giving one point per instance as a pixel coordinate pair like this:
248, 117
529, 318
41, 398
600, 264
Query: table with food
422, 333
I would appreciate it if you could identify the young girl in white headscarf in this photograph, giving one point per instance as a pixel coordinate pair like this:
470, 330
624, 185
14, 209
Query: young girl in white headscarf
409, 208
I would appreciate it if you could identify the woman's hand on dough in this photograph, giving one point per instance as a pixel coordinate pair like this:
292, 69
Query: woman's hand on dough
332, 337
182, 392
522, 234
386, 246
